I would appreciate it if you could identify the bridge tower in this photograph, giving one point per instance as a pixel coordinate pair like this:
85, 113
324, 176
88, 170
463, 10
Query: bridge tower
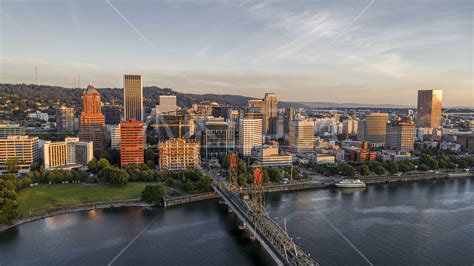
233, 185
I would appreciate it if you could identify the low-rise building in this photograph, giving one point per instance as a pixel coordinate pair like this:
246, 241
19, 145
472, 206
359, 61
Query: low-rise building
321, 158
67, 154
268, 155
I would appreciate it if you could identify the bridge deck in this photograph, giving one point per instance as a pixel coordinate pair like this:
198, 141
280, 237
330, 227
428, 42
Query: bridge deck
271, 236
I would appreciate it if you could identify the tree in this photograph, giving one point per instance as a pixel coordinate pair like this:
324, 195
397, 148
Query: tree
154, 194
103, 163
8, 204
380, 170
93, 167
423, 167
241, 179
346, 170
392, 167
12, 165
114, 175
113, 156
364, 170
241, 167
275, 175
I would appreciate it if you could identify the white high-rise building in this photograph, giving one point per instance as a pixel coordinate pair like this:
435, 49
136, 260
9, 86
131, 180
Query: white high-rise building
167, 104
301, 136
250, 135
115, 137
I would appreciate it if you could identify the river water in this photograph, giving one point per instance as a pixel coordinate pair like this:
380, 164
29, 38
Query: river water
424, 223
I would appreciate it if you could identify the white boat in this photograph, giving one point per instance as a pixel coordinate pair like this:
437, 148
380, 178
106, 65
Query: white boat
350, 183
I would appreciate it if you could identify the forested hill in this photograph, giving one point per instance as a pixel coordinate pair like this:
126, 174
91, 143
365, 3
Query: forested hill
28, 95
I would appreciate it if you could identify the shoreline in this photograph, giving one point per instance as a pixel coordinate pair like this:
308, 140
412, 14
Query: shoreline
374, 180
70, 209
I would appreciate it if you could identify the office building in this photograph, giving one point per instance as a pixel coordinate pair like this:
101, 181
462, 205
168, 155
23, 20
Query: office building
132, 143
466, 141
269, 156
269, 108
133, 97
112, 114
92, 121
24, 149
373, 129
400, 136
167, 104
67, 154
115, 137
179, 154
429, 108
214, 136
301, 136
7, 129
65, 119
250, 135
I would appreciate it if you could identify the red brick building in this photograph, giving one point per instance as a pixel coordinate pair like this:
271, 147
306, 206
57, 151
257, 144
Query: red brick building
132, 143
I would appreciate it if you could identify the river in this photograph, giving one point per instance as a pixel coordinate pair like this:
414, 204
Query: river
417, 223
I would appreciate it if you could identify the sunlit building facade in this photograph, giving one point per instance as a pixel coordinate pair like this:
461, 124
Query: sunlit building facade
92, 121
429, 108
179, 154
132, 143
133, 97
23, 149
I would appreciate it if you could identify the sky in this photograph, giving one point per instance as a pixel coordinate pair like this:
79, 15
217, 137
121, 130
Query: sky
364, 51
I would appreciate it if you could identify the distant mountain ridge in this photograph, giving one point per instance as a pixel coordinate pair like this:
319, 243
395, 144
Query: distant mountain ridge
72, 97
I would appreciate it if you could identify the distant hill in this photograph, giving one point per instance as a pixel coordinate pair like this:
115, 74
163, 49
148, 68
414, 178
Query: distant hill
27, 96
351, 105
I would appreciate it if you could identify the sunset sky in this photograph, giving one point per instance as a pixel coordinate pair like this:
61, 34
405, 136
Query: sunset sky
367, 51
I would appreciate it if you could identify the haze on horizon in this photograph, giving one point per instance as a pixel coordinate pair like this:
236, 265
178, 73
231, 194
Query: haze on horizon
367, 51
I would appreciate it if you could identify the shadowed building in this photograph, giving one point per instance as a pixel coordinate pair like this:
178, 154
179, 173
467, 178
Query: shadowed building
65, 119
92, 121
400, 136
133, 97
429, 108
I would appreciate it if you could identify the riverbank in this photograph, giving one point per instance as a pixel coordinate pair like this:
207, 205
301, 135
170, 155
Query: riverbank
26, 218
413, 177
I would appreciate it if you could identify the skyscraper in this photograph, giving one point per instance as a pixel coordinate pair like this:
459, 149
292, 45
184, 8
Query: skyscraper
133, 97
269, 108
400, 136
429, 108
132, 143
301, 136
112, 114
65, 119
250, 135
92, 121
214, 139
373, 129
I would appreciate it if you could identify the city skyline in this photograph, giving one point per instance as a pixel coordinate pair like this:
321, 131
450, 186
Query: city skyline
361, 50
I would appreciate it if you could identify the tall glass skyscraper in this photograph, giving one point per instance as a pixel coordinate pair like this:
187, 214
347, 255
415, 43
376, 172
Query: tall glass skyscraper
429, 108
133, 97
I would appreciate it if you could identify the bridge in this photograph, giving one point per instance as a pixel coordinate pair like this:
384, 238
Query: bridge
268, 233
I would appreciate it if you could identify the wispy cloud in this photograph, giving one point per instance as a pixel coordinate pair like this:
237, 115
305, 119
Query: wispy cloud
109, 2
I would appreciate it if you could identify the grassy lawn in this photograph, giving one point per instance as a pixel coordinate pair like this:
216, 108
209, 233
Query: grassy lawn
45, 196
